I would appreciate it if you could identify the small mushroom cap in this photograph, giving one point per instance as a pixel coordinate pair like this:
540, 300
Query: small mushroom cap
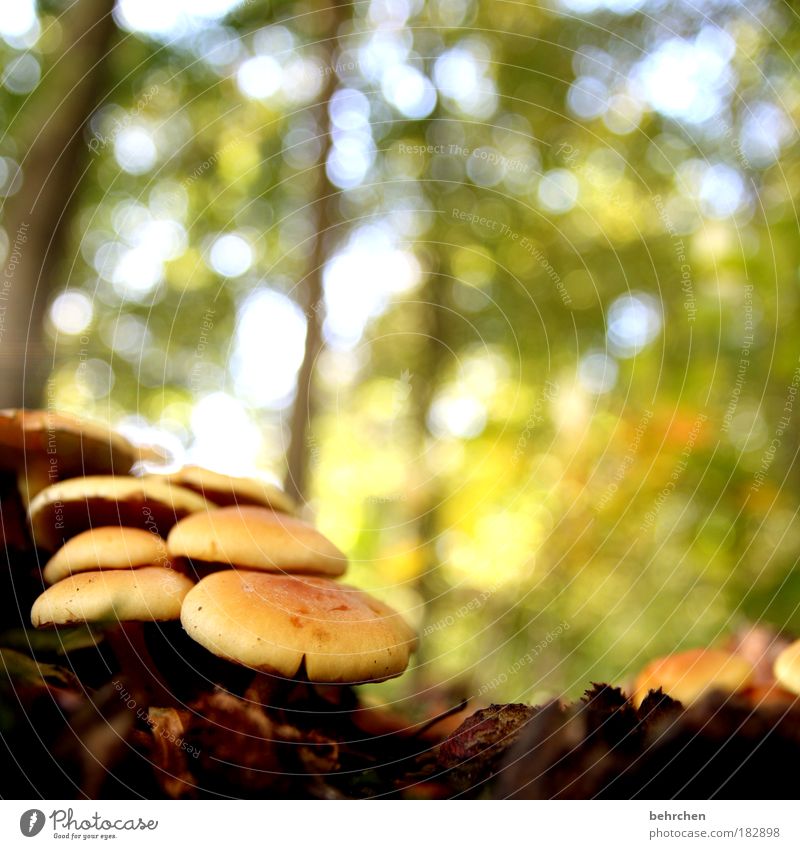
688, 676
226, 491
150, 594
255, 538
103, 548
278, 623
65, 509
787, 668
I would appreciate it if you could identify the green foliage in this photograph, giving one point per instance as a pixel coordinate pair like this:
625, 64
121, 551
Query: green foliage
654, 515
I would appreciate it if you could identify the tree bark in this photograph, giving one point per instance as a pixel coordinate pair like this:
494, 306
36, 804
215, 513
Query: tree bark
312, 297
36, 218
428, 525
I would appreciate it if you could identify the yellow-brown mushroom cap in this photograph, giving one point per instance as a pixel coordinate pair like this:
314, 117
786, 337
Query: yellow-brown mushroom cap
150, 594
787, 668
227, 491
65, 509
688, 676
112, 547
45, 446
255, 538
282, 623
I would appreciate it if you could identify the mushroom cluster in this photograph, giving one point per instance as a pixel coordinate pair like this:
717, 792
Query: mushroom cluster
39, 448
267, 599
250, 581
697, 724
758, 668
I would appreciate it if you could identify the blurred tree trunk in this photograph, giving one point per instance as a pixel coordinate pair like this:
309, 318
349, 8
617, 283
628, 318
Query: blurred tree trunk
54, 157
429, 585
311, 294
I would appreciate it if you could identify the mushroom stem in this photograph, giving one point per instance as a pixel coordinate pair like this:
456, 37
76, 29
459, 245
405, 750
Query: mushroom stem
13, 532
147, 684
33, 478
